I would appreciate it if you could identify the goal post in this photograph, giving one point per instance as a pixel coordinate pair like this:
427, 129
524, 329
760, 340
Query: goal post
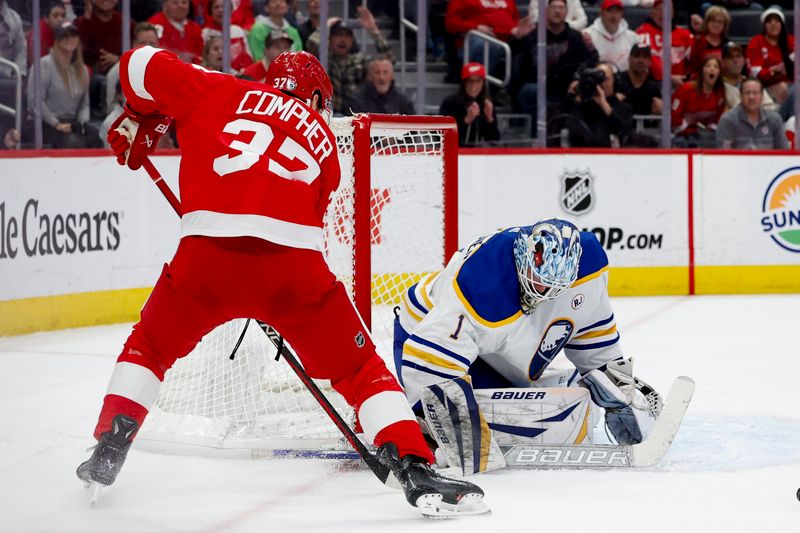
393, 220
365, 127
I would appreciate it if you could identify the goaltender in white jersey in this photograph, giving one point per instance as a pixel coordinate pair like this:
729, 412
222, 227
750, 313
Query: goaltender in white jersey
500, 312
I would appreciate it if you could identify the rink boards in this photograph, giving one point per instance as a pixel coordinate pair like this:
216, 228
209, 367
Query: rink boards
82, 239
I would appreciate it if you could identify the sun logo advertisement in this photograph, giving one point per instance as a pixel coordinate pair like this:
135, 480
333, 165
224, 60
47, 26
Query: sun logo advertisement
781, 210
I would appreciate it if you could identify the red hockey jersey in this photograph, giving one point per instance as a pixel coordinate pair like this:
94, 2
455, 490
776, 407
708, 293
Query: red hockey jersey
761, 55
692, 109
254, 161
653, 36
465, 15
188, 44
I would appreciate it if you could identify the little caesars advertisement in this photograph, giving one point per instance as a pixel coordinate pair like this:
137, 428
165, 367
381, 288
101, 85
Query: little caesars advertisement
70, 225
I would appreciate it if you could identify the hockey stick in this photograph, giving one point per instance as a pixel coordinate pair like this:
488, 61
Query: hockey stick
646, 453
376, 465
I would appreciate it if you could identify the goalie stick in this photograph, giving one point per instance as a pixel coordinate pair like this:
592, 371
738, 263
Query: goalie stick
381, 470
646, 453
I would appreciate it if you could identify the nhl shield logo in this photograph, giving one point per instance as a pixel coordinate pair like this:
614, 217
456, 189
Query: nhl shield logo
576, 192
360, 340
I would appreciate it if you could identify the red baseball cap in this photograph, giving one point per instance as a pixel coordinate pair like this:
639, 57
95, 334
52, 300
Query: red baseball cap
608, 4
473, 69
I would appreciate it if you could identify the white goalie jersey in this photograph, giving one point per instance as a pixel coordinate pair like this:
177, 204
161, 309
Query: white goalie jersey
472, 310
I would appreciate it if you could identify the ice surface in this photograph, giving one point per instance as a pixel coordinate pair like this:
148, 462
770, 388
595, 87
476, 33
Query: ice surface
735, 465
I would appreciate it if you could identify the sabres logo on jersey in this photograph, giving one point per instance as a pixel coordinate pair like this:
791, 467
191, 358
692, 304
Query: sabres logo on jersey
576, 191
553, 340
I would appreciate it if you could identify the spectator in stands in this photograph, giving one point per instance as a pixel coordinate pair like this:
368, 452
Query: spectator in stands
278, 42
312, 22
610, 35
709, 41
576, 15
697, 106
212, 53
54, 15
472, 108
12, 40
566, 51
23, 8
347, 67
500, 19
651, 33
293, 14
748, 126
274, 20
11, 139
733, 67
176, 32
241, 13
240, 53
144, 34
100, 29
65, 91
770, 54
380, 94
601, 118
636, 86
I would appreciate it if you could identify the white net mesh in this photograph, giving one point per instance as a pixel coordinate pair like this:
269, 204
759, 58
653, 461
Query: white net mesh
253, 405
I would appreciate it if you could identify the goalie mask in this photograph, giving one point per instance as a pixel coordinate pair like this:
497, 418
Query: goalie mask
300, 74
547, 256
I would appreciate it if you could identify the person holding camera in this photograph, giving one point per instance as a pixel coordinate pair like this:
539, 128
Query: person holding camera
601, 118
566, 51
472, 108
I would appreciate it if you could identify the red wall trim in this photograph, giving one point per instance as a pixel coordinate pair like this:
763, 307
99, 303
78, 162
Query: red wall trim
93, 152
618, 151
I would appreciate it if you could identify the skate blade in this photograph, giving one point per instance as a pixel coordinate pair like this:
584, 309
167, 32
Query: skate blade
93, 491
431, 506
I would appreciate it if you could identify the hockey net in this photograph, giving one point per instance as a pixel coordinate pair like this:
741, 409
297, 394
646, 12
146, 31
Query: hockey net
392, 221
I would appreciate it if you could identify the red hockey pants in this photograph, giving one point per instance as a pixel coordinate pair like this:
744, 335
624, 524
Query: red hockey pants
212, 280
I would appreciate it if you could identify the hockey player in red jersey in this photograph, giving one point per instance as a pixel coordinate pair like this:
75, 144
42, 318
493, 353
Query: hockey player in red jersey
258, 167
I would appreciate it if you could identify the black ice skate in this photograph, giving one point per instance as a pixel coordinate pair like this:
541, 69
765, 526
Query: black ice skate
435, 495
108, 457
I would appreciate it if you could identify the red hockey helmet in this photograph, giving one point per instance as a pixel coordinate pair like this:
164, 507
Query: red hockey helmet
301, 75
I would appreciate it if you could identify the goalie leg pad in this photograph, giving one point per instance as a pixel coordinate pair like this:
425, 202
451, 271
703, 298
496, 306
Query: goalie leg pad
459, 428
525, 416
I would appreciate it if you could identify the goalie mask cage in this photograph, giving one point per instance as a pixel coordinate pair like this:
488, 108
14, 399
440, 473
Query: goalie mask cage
392, 221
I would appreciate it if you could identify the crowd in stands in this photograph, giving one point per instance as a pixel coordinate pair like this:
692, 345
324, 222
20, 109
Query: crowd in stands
603, 71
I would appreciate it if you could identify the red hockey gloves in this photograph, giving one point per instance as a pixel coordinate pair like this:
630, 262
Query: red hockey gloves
133, 136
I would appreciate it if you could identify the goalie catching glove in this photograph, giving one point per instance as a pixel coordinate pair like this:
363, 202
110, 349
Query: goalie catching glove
133, 137
631, 405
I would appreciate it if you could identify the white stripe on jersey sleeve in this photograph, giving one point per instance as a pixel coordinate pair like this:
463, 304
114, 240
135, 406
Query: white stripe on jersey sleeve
137, 65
